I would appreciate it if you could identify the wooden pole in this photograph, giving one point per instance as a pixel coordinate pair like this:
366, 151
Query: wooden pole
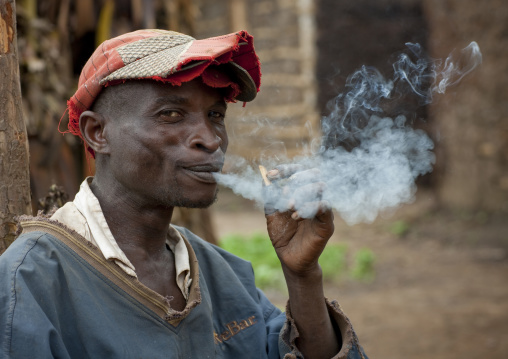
14, 172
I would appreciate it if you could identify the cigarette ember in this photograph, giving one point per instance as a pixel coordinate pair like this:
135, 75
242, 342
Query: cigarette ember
262, 169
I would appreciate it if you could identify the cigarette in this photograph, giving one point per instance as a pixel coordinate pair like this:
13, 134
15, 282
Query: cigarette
262, 169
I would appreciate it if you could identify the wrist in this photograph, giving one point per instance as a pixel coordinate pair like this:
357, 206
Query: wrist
312, 275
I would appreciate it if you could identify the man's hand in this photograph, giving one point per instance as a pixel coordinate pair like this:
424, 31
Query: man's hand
299, 241
299, 225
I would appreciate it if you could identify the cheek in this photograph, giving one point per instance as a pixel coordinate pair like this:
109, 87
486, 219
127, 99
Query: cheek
133, 151
137, 155
149, 160
225, 140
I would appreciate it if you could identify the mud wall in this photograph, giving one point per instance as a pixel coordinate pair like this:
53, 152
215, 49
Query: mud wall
472, 119
284, 30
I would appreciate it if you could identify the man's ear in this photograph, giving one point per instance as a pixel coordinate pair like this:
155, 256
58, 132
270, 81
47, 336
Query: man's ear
92, 127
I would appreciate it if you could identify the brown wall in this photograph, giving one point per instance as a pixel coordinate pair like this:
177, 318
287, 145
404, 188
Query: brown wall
363, 32
469, 124
284, 40
472, 119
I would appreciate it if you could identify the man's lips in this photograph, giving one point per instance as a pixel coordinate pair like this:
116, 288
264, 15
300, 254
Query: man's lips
204, 172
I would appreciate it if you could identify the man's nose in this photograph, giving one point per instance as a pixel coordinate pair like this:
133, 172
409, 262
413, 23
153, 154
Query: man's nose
205, 136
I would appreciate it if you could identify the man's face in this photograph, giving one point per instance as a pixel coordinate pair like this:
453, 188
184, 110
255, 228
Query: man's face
167, 141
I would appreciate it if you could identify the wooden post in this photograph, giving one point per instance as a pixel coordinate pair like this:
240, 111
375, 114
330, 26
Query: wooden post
238, 15
14, 172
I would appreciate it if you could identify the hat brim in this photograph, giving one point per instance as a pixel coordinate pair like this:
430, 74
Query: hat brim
248, 89
240, 76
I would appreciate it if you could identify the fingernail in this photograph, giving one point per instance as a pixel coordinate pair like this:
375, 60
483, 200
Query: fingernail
272, 173
295, 216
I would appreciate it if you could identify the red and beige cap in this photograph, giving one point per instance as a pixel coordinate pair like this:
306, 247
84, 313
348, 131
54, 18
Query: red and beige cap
227, 61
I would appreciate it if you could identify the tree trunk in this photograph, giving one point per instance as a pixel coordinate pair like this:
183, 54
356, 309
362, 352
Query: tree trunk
14, 173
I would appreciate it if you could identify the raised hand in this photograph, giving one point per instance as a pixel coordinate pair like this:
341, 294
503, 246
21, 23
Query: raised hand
299, 223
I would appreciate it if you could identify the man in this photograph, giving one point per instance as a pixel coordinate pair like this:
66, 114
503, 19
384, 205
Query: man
107, 276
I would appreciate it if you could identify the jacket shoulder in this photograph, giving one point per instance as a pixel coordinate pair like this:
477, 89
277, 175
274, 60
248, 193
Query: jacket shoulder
34, 249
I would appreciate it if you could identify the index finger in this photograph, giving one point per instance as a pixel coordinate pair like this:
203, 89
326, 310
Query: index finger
284, 171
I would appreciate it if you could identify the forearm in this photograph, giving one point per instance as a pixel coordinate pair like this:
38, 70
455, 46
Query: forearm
317, 338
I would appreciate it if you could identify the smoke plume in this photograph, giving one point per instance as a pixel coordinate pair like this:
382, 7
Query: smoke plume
368, 161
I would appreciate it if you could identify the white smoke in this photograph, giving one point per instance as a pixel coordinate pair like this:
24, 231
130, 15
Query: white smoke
369, 162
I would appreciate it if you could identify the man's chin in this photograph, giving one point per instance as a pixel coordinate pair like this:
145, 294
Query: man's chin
200, 204
203, 202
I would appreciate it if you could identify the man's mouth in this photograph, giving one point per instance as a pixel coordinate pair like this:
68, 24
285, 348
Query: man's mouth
204, 172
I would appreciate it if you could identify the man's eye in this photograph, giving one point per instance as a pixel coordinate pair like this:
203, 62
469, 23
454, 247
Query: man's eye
170, 113
216, 115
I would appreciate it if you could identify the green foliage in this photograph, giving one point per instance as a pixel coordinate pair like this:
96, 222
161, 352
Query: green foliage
363, 265
333, 261
258, 249
399, 228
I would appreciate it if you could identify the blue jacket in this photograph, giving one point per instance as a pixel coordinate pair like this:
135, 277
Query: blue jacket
59, 298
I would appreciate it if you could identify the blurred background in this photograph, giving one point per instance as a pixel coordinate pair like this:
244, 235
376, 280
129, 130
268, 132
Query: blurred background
427, 280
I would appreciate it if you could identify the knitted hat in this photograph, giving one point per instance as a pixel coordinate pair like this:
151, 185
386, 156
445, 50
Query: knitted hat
224, 61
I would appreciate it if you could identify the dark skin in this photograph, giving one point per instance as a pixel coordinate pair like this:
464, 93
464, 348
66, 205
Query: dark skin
157, 147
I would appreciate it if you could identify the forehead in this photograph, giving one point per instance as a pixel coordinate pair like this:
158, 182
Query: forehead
151, 91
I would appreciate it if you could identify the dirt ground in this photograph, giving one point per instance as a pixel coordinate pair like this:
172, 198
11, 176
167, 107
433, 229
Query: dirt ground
440, 289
